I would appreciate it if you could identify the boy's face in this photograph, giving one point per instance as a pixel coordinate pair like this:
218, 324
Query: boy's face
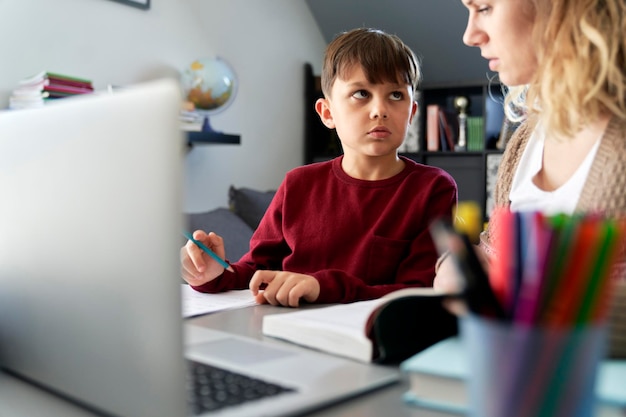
371, 119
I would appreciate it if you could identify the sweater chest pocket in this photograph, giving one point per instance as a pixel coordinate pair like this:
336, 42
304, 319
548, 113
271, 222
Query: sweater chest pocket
384, 257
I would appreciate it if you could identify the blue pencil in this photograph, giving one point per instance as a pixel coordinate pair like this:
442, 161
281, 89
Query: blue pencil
207, 250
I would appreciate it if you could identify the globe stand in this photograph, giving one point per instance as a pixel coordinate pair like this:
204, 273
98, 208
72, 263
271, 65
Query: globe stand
206, 125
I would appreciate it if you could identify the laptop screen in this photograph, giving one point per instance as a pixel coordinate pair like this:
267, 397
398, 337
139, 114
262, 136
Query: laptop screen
89, 240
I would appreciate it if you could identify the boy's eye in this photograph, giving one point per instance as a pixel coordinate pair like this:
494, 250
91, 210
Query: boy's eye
484, 9
360, 94
397, 95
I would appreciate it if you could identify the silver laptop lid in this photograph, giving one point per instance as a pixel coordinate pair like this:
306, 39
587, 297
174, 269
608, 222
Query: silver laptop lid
90, 218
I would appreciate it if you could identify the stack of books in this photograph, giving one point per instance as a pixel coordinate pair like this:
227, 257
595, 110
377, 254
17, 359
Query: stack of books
191, 121
34, 91
438, 381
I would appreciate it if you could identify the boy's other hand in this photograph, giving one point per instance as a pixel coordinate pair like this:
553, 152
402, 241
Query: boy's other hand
449, 281
284, 288
197, 267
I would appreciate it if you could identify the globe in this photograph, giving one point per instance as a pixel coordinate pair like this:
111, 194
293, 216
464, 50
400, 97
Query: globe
210, 84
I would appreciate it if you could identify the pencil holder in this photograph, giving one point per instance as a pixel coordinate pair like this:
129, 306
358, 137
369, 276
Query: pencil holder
518, 370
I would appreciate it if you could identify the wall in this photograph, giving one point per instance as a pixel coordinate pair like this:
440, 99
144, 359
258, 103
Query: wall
432, 28
266, 41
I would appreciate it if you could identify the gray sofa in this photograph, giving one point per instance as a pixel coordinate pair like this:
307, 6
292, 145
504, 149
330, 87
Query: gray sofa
237, 222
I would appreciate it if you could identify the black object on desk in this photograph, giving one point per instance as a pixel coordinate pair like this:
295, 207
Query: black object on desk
408, 325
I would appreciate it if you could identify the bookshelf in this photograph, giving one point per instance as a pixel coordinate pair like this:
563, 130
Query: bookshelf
468, 168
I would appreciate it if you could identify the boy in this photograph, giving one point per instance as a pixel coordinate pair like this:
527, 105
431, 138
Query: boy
356, 227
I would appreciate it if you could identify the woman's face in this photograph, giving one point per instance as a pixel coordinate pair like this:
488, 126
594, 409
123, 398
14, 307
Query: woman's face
502, 29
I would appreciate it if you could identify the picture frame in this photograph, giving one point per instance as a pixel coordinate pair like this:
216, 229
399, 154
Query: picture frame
139, 4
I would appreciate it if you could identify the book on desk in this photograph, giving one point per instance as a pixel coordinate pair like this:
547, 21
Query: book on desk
437, 380
385, 330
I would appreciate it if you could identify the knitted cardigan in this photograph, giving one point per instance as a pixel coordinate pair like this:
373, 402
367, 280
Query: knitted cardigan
604, 191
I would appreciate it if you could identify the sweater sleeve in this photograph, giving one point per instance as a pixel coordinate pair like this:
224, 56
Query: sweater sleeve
267, 249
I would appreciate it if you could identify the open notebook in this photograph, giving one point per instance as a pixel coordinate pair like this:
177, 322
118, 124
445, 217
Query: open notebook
90, 218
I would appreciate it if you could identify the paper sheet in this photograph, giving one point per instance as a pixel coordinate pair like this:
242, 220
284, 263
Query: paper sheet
196, 303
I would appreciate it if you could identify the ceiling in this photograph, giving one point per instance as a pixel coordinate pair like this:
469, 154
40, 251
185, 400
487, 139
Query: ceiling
432, 28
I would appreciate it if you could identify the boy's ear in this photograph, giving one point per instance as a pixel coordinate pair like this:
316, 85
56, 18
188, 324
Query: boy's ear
323, 110
414, 109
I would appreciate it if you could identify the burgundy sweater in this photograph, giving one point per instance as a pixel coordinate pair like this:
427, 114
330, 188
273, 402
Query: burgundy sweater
360, 239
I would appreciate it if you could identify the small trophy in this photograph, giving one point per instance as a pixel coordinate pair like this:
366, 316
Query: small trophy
460, 104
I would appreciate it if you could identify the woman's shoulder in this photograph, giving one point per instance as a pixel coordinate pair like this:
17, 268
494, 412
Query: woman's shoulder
615, 135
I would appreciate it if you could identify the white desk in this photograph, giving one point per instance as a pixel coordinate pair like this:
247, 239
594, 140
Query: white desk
20, 399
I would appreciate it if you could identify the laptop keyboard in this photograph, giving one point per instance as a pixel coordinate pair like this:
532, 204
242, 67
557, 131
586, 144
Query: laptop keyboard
210, 388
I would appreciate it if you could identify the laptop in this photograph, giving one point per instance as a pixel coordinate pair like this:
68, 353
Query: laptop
90, 303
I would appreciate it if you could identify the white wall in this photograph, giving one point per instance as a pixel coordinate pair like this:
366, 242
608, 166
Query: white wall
266, 41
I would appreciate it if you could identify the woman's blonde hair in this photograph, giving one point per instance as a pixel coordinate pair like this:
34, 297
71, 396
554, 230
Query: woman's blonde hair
581, 72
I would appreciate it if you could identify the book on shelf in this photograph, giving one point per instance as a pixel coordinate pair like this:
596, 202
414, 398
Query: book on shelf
438, 380
67, 89
56, 77
432, 127
384, 330
448, 129
191, 120
33, 91
24, 98
191, 126
442, 128
475, 133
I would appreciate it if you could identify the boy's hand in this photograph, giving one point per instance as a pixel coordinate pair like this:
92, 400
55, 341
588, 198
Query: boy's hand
448, 279
284, 288
198, 267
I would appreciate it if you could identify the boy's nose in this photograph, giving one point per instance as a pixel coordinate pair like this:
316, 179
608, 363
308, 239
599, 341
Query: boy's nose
379, 111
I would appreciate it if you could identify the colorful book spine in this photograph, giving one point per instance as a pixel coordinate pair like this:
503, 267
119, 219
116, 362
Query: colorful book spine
432, 127
67, 78
68, 89
475, 133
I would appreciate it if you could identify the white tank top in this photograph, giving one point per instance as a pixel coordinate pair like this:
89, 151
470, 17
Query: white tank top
526, 196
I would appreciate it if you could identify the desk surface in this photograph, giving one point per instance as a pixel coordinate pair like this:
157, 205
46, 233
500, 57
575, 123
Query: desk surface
18, 398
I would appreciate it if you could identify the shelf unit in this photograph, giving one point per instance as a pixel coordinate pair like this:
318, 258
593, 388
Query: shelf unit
468, 168
200, 137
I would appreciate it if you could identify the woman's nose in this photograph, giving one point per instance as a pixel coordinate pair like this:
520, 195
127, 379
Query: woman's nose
473, 35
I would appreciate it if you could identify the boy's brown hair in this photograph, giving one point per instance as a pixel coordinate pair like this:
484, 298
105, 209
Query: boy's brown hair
383, 57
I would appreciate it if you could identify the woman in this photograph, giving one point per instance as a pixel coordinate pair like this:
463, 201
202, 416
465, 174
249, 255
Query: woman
564, 62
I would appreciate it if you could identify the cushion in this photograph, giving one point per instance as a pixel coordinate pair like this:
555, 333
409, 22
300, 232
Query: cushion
249, 204
235, 232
